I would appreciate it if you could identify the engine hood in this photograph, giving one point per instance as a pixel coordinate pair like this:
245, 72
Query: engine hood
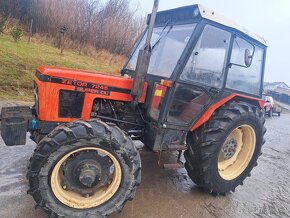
51, 81
86, 81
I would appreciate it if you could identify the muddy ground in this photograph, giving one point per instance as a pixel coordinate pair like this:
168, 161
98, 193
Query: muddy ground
171, 193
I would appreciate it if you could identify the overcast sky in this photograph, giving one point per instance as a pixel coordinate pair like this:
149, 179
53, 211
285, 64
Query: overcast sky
268, 18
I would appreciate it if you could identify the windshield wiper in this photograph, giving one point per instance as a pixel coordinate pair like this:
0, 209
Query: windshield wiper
161, 35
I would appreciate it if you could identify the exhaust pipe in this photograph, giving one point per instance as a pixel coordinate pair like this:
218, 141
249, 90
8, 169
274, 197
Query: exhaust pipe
143, 60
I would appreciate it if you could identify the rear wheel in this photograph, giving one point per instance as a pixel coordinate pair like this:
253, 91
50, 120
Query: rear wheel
84, 169
270, 113
223, 151
264, 112
236, 152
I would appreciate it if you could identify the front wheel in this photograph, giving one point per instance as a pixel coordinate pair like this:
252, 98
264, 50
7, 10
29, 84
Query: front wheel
223, 152
84, 169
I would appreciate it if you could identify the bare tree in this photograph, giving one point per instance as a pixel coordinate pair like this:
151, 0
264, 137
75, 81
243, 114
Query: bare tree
112, 25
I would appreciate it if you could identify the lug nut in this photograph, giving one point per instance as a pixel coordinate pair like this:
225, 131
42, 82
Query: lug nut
64, 187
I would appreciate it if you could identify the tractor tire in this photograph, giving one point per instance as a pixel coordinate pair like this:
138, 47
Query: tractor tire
264, 112
222, 152
53, 167
270, 113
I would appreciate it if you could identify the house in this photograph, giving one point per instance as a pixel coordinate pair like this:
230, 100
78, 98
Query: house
275, 85
280, 94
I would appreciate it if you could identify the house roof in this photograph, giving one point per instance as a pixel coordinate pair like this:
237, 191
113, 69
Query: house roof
282, 91
273, 84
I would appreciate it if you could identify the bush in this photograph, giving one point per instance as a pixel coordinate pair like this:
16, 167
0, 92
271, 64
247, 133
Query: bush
2, 24
16, 33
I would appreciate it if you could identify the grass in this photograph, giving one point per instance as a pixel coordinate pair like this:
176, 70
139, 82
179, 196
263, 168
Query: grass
19, 61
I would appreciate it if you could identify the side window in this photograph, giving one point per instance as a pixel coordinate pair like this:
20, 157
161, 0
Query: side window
206, 65
242, 78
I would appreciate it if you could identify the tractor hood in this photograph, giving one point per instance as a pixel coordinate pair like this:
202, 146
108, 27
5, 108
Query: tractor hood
52, 82
89, 82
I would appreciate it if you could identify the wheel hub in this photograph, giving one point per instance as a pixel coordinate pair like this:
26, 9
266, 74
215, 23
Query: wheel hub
229, 148
89, 175
86, 173
236, 152
86, 177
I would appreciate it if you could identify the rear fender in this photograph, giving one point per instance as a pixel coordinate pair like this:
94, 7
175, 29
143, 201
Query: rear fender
233, 97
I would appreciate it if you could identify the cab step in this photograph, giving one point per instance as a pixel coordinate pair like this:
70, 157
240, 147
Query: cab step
179, 164
175, 166
175, 147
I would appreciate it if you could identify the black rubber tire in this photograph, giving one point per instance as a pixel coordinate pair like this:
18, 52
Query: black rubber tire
36, 137
270, 113
205, 143
69, 137
264, 112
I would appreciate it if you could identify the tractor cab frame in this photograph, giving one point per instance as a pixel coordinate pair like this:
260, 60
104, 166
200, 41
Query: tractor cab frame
200, 60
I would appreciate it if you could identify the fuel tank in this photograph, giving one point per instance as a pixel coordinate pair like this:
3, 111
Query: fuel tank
57, 88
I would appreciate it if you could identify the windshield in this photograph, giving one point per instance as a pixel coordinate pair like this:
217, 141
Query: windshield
168, 44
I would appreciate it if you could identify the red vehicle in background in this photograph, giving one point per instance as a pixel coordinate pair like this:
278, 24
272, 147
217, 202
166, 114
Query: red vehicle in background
271, 107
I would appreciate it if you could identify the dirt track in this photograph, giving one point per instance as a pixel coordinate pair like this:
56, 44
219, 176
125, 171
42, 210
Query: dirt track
169, 193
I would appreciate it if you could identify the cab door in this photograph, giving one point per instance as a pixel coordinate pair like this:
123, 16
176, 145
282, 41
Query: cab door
201, 79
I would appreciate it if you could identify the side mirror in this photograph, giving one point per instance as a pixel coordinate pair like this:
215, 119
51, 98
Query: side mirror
242, 53
248, 58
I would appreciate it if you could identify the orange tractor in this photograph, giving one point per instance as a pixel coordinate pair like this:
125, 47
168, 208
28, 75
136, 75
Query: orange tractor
192, 84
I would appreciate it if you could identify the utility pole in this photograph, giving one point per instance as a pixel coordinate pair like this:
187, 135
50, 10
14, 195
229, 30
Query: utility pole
62, 32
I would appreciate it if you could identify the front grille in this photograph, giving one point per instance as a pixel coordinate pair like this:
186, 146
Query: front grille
71, 104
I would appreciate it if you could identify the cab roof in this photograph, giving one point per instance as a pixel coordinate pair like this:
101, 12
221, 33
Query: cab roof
218, 18
190, 12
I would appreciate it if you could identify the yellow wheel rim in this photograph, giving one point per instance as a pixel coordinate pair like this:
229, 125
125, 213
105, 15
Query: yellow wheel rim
237, 152
75, 200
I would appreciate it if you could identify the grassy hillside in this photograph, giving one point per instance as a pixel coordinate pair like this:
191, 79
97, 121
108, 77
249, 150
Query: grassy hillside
18, 62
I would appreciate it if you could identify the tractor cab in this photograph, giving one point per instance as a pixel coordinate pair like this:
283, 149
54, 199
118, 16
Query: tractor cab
198, 59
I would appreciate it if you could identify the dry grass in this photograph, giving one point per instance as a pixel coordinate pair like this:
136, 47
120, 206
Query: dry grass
18, 62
